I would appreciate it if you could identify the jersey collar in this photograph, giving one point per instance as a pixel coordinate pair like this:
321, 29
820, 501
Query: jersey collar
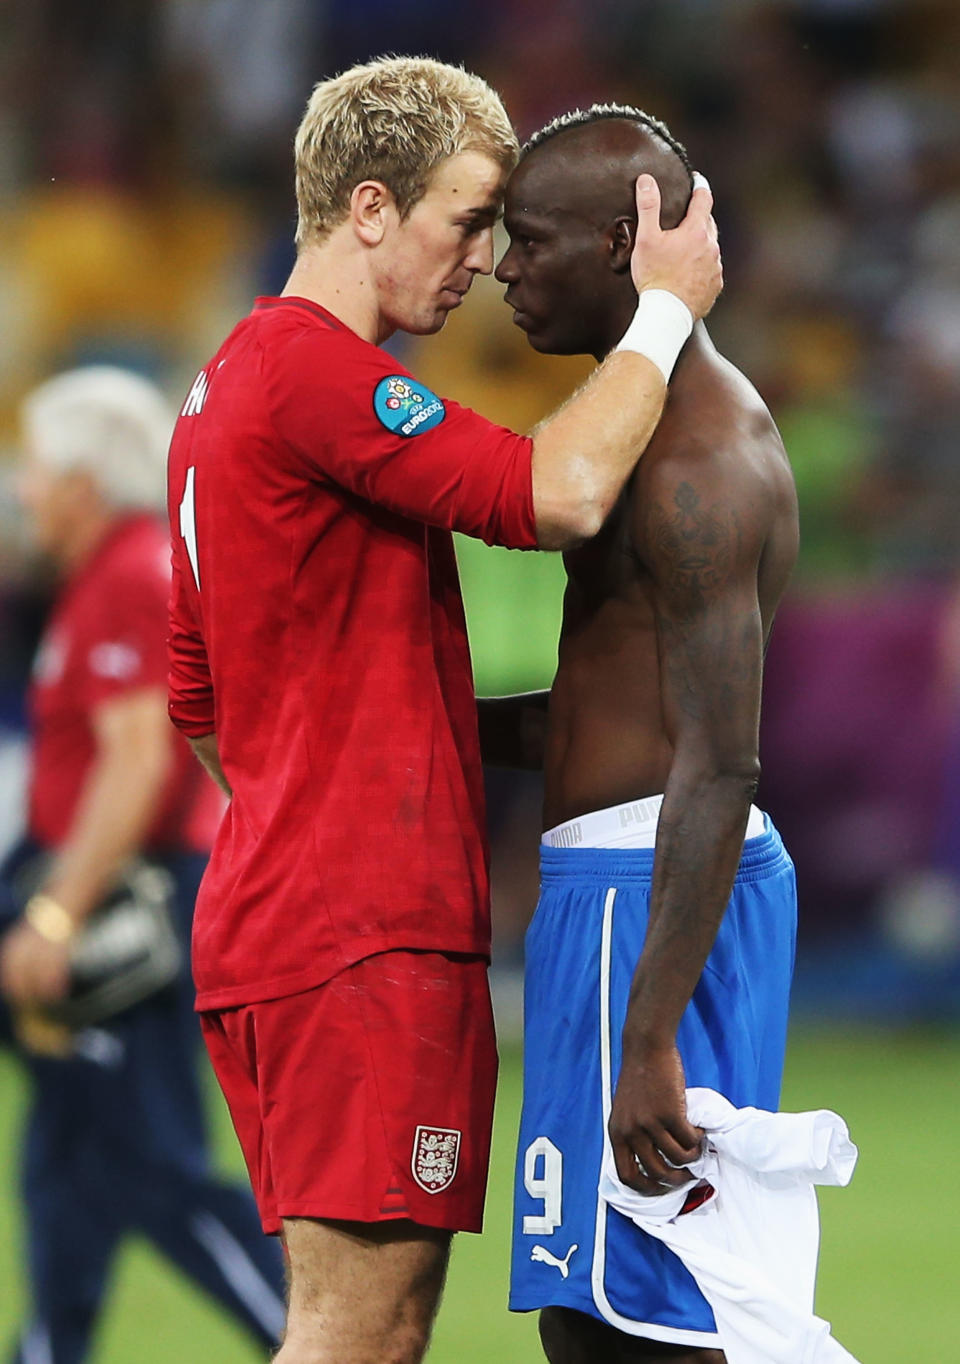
304, 304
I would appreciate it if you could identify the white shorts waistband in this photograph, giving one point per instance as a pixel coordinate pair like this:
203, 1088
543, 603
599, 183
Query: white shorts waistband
633, 825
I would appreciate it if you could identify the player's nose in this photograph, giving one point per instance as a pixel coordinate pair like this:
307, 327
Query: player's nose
480, 259
506, 271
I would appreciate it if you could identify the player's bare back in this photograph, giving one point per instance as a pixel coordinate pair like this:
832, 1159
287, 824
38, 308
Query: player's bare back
709, 515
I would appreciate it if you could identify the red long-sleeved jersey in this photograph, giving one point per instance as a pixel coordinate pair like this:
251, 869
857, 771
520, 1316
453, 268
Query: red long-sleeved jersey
317, 627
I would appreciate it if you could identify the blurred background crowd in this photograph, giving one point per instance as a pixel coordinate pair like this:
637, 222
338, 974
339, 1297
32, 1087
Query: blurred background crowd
146, 191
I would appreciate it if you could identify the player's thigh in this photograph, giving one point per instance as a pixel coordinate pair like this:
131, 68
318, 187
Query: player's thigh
570, 1337
362, 1293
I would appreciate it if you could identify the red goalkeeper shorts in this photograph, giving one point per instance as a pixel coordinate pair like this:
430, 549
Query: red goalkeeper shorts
369, 1097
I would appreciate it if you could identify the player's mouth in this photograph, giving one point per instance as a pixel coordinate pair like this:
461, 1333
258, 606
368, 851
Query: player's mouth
452, 298
520, 319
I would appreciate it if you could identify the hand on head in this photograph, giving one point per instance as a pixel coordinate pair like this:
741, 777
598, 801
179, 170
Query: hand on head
685, 259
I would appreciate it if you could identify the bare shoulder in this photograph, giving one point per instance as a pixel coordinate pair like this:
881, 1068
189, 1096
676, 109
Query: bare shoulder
715, 421
717, 449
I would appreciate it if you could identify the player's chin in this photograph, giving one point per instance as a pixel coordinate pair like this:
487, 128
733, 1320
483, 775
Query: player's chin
528, 325
429, 326
538, 340
554, 343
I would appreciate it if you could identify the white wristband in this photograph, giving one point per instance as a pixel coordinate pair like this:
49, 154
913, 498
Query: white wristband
659, 330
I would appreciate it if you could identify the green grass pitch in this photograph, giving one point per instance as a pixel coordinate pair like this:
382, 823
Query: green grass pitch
890, 1242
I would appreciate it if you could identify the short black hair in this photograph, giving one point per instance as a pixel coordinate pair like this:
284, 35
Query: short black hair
579, 118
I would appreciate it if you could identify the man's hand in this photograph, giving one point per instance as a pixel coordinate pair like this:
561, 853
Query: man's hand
685, 259
648, 1120
207, 752
33, 970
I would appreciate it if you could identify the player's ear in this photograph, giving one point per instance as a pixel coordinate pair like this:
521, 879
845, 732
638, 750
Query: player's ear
622, 237
372, 208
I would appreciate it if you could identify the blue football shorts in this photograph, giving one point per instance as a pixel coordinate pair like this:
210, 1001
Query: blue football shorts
569, 1249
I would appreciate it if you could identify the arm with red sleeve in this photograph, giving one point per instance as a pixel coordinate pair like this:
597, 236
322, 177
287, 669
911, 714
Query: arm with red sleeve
190, 686
432, 461
123, 693
449, 466
454, 469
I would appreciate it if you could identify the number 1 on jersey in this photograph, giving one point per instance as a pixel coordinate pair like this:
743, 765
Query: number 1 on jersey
188, 525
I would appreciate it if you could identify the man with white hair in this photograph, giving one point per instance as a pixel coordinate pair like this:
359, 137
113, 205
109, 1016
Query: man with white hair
116, 1137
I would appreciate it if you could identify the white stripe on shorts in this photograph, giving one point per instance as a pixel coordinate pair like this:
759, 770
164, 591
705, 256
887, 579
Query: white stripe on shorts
671, 1335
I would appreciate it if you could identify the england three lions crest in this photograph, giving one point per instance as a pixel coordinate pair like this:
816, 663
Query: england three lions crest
436, 1151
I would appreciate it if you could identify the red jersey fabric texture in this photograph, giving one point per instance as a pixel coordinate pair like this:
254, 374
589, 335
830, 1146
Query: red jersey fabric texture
317, 627
105, 637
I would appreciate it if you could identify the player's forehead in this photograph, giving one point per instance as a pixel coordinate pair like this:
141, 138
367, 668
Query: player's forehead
543, 191
469, 182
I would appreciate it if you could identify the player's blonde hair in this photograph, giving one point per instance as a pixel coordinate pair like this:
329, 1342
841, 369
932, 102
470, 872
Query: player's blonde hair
110, 422
394, 120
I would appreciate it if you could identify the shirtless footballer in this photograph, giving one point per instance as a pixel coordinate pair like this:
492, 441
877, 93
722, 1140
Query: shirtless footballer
661, 952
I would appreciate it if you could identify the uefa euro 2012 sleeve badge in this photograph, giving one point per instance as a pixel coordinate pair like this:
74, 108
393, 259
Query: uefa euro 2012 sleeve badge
405, 407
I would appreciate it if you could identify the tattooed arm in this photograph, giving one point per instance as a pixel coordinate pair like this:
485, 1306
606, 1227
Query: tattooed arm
699, 537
